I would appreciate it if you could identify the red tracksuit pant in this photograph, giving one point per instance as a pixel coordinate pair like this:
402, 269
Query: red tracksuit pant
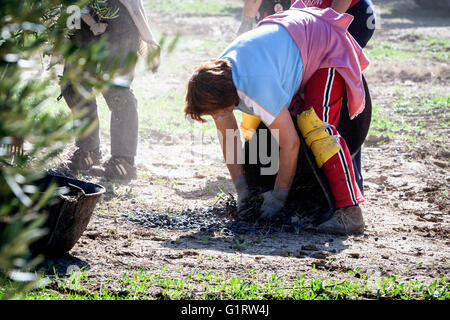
324, 92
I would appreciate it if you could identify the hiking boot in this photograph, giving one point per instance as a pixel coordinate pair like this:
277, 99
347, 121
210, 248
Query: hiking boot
116, 168
82, 160
345, 221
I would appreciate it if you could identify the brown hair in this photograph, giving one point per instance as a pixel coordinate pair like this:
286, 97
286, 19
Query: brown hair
210, 88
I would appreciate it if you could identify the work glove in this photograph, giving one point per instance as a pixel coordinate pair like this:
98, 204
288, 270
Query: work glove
242, 192
246, 25
274, 201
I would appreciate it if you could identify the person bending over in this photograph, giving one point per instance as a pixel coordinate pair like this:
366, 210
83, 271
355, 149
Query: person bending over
362, 29
251, 76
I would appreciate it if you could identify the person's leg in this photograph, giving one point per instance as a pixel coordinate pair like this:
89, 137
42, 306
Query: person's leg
88, 153
356, 159
123, 43
124, 134
124, 122
362, 29
324, 93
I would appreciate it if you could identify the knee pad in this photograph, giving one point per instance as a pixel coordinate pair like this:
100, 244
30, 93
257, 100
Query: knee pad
248, 125
322, 144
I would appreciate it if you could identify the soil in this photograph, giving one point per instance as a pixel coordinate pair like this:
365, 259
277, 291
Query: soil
406, 208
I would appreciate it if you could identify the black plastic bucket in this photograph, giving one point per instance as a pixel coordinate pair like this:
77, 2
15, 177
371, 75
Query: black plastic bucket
69, 213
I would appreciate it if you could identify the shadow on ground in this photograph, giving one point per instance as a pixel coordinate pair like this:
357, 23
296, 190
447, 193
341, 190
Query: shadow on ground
283, 244
62, 266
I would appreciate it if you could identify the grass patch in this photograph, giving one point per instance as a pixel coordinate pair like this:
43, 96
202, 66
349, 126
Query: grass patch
401, 50
165, 114
413, 119
425, 117
383, 123
437, 48
143, 285
377, 50
423, 106
203, 47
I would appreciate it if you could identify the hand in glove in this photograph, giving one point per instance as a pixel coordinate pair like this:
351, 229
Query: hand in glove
242, 192
273, 203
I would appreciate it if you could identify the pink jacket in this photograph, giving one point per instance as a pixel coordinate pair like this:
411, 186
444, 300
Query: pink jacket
324, 42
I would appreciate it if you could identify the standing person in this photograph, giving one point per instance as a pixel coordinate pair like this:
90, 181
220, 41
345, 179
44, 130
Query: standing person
251, 75
127, 34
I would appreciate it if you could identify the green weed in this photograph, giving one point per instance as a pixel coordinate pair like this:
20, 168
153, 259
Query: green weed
142, 284
377, 50
433, 48
412, 119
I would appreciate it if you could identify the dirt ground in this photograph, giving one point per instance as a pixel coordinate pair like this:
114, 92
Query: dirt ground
406, 206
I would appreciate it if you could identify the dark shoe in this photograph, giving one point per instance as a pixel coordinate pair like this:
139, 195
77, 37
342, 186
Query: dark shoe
345, 221
81, 160
116, 168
